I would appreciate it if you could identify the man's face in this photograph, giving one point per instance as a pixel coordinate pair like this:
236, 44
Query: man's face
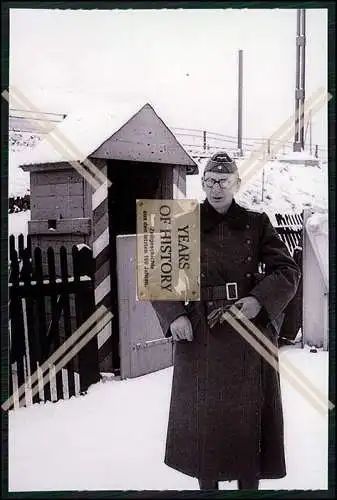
220, 188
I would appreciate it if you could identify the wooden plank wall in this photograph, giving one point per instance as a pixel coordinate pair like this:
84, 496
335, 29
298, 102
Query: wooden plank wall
56, 242
64, 197
57, 194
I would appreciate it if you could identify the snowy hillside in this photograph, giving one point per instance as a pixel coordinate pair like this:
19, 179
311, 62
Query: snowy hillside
278, 187
287, 188
19, 143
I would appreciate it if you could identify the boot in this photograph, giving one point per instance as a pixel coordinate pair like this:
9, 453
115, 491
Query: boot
208, 484
248, 484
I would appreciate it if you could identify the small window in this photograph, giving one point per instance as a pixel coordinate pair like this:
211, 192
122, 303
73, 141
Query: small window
52, 224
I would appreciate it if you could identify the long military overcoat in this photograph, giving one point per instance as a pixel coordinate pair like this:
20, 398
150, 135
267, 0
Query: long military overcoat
225, 419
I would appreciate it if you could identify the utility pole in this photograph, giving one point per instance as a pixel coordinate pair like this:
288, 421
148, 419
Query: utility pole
240, 80
300, 81
303, 43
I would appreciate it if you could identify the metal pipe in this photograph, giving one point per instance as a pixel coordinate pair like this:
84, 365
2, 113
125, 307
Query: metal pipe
310, 131
303, 75
298, 55
240, 81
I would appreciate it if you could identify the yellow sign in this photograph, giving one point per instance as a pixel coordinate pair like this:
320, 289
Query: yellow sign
168, 250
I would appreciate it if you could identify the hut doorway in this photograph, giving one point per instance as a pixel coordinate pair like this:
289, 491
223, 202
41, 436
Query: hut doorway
129, 181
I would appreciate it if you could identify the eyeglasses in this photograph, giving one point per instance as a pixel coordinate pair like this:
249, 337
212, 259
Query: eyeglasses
223, 183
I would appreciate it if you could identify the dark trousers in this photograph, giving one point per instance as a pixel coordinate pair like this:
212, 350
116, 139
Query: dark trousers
248, 484
243, 484
208, 484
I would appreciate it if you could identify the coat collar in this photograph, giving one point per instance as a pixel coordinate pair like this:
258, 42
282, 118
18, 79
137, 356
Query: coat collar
237, 217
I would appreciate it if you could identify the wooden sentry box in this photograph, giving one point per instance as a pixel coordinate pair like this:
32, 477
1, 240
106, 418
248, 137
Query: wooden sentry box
142, 159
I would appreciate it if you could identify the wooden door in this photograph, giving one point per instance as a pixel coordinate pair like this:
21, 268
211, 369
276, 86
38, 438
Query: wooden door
143, 347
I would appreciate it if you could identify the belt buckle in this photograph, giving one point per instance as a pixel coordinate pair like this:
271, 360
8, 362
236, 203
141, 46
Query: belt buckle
232, 290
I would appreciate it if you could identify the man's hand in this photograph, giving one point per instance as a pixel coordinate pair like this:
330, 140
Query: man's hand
181, 329
249, 306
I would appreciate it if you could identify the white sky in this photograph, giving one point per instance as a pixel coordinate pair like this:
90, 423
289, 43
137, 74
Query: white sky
184, 61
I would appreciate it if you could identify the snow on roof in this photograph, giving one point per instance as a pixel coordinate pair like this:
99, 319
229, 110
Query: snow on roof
81, 133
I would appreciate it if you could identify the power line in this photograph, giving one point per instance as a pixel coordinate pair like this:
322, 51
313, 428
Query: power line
37, 112
35, 119
211, 136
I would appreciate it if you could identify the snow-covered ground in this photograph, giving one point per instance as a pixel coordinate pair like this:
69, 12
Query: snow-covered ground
114, 437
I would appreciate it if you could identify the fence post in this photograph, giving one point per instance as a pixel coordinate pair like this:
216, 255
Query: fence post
32, 346
85, 306
41, 326
21, 245
11, 247
67, 318
316, 151
205, 140
17, 344
56, 305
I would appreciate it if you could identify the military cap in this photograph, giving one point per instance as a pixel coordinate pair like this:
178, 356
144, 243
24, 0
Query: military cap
222, 163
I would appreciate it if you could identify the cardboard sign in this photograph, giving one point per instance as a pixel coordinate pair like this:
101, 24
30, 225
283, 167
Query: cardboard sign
168, 250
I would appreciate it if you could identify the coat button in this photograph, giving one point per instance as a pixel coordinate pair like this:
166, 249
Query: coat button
248, 241
247, 226
210, 303
248, 275
203, 275
249, 258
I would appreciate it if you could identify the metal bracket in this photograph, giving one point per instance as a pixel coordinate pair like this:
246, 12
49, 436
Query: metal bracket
300, 40
299, 94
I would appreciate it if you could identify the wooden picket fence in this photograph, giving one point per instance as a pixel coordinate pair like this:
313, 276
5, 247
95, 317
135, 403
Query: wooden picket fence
290, 229
45, 309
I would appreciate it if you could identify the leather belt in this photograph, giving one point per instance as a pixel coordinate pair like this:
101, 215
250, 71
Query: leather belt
232, 290
229, 291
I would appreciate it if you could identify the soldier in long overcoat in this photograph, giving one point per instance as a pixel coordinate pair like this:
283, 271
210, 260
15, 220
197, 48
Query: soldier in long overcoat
225, 419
